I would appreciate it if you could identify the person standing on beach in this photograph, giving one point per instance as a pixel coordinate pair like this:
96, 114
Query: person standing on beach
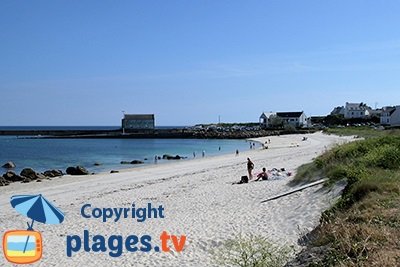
194, 154
250, 167
203, 153
237, 152
155, 159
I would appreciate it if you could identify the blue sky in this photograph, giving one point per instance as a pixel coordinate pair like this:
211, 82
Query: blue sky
83, 62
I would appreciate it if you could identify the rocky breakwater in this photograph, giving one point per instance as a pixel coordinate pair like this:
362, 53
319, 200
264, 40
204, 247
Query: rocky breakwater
233, 131
228, 132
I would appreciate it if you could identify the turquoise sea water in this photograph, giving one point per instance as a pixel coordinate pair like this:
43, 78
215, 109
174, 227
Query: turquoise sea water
44, 154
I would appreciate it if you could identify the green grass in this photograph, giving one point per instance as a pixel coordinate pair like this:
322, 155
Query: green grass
362, 131
363, 227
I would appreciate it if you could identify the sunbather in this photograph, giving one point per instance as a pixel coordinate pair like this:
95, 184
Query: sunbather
262, 175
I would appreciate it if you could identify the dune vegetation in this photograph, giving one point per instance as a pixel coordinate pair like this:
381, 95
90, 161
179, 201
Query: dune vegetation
363, 227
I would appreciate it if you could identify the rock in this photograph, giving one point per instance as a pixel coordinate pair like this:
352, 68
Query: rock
9, 165
26, 180
71, 171
113, 171
81, 170
78, 170
31, 174
132, 162
145, 158
12, 177
53, 173
97, 164
137, 162
3, 181
169, 157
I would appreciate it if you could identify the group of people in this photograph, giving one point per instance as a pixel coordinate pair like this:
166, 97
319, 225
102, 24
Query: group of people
261, 176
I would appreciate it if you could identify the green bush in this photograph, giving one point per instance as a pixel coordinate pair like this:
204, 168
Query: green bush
251, 251
385, 156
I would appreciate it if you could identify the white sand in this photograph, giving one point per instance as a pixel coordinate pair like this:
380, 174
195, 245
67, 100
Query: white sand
199, 200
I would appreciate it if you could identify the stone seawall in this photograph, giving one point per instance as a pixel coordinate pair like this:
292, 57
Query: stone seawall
158, 133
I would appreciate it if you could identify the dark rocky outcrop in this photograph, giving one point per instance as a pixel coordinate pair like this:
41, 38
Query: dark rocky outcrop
78, 170
3, 181
97, 164
169, 157
114, 171
12, 177
31, 174
137, 162
9, 165
53, 173
132, 162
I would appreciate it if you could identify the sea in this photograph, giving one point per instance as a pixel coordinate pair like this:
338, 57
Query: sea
45, 154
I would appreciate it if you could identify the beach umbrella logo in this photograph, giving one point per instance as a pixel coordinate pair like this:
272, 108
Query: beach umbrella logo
25, 246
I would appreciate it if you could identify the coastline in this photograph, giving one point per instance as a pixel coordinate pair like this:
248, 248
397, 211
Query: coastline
199, 199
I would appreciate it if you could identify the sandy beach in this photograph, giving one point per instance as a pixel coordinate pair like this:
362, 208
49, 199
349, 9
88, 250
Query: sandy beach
199, 200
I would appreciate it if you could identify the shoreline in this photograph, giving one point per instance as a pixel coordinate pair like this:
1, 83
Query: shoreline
107, 155
199, 199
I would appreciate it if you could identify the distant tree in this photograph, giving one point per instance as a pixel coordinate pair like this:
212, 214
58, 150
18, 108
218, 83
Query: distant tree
337, 119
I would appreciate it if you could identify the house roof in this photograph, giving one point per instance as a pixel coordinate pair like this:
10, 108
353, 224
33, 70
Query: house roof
357, 106
289, 114
267, 114
391, 110
139, 116
337, 110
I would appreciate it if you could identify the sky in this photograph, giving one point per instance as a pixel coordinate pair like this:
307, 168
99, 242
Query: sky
84, 62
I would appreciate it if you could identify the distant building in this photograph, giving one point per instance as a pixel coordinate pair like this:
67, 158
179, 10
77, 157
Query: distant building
296, 119
138, 122
338, 111
390, 116
265, 119
271, 119
356, 110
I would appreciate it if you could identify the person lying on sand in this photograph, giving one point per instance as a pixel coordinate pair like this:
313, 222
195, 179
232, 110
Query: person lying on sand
262, 175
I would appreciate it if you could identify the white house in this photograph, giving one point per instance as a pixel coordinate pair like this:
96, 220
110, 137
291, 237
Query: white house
390, 116
356, 110
265, 119
296, 119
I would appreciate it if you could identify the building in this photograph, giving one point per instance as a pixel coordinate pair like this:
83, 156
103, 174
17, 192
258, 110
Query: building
266, 119
296, 119
271, 119
138, 122
356, 110
338, 111
390, 116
